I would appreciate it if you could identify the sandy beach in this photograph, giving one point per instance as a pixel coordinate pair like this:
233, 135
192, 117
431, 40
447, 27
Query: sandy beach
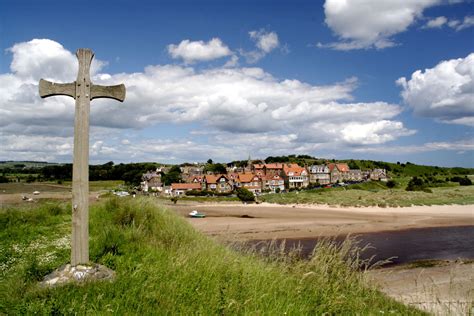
267, 221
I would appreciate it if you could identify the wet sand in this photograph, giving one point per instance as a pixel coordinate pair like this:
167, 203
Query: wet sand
268, 221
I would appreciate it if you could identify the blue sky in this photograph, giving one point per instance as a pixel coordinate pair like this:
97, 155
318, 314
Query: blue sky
384, 80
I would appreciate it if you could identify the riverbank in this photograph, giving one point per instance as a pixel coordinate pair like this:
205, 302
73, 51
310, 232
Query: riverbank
444, 289
267, 221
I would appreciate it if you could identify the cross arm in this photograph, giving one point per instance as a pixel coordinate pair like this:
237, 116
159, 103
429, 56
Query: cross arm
111, 92
48, 88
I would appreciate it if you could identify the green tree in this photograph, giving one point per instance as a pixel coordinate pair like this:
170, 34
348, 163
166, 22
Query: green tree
172, 176
245, 195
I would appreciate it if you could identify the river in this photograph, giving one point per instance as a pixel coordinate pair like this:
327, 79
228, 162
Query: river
405, 246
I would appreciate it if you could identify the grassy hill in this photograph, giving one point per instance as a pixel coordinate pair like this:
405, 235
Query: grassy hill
164, 266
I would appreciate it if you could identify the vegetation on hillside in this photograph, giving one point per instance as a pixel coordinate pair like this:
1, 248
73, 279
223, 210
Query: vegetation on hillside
375, 193
164, 266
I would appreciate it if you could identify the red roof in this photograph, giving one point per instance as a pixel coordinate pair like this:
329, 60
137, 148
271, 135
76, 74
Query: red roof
214, 179
185, 186
294, 168
342, 167
269, 177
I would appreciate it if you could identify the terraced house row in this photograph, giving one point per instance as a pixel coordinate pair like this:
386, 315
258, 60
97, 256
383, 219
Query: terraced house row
260, 178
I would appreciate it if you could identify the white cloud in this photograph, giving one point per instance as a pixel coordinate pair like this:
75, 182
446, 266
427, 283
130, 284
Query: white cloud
362, 24
265, 43
459, 145
193, 51
455, 24
445, 92
466, 23
242, 110
437, 22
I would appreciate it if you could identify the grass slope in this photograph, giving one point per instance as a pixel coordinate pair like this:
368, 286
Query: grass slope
164, 266
376, 194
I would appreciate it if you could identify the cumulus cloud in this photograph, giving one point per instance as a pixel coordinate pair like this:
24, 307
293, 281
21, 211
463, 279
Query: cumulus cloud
362, 24
194, 51
241, 110
445, 92
265, 42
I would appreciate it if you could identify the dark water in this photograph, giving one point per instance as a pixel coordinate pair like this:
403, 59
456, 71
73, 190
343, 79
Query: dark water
404, 246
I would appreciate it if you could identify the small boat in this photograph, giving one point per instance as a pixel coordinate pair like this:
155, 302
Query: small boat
196, 214
36, 192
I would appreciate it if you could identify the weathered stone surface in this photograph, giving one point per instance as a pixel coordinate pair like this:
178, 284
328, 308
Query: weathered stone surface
80, 273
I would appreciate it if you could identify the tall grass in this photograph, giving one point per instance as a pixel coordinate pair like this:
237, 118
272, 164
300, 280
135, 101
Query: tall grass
164, 266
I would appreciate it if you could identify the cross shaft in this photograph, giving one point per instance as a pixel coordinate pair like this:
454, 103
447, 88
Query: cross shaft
83, 91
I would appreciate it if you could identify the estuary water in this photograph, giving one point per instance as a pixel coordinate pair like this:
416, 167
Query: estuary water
405, 246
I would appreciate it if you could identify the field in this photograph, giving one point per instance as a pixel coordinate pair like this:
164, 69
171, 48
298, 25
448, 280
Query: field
376, 194
164, 266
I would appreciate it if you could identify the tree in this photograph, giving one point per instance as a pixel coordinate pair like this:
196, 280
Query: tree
245, 195
209, 161
215, 168
172, 176
353, 165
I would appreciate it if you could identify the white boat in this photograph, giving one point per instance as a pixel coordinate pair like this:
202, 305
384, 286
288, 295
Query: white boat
196, 214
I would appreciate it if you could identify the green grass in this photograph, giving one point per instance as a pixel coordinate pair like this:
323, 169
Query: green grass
28, 188
376, 194
164, 266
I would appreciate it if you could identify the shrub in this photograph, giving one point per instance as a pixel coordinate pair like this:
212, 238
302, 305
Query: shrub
245, 195
465, 181
416, 184
391, 184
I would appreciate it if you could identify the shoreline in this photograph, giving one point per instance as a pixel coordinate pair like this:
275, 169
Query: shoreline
231, 221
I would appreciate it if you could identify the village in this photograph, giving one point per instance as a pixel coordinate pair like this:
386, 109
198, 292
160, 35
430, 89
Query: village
258, 178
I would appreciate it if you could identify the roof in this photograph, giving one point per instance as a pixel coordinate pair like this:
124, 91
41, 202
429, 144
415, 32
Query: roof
342, 167
294, 168
269, 166
272, 177
185, 186
247, 177
213, 179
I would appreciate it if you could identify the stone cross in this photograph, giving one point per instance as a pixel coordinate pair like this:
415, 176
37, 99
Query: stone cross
83, 91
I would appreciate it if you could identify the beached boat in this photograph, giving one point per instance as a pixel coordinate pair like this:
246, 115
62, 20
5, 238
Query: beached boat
196, 214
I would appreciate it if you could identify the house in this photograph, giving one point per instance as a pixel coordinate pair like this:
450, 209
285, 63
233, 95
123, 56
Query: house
251, 182
195, 179
339, 172
355, 175
191, 171
273, 183
378, 175
151, 181
295, 176
178, 189
218, 183
319, 174
268, 169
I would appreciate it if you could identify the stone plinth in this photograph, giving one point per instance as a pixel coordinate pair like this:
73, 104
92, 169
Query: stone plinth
80, 273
